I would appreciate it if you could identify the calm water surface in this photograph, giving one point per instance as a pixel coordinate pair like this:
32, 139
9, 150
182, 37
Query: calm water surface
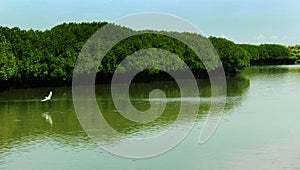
260, 128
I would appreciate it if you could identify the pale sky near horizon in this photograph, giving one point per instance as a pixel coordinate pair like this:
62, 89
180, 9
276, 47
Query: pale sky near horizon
244, 21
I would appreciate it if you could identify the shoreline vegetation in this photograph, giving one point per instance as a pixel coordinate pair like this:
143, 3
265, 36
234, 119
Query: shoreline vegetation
34, 58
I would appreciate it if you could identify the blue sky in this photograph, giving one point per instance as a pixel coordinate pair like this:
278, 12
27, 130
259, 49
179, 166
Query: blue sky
244, 21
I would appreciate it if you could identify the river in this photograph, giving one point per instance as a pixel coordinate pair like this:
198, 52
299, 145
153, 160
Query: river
259, 129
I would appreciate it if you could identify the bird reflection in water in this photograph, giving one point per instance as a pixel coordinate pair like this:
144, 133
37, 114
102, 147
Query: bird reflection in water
48, 118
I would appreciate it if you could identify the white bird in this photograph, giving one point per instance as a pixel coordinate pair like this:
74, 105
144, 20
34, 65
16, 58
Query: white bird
47, 97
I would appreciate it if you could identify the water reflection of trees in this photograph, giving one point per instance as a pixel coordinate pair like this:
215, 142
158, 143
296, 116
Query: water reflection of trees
23, 126
22, 118
265, 71
139, 94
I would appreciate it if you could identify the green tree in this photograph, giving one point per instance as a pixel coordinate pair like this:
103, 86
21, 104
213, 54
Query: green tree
277, 51
233, 57
8, 65
295, 52
50, 55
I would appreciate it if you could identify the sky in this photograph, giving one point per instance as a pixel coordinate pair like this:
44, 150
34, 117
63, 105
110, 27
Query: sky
243, 21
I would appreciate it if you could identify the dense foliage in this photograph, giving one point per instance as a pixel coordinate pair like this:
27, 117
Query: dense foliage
266, 54
8, 65
29, 57
295, 52
48, 57
233, 57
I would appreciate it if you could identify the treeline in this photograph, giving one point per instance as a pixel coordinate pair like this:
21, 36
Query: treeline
33, 56
45, 58
270, 54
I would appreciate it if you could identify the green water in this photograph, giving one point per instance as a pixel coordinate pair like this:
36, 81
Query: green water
260, 127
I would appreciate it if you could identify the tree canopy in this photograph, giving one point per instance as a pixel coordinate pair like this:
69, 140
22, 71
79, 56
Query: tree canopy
33, 56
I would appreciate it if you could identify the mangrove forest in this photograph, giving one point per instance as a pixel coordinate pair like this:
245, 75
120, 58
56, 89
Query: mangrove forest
32, 58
